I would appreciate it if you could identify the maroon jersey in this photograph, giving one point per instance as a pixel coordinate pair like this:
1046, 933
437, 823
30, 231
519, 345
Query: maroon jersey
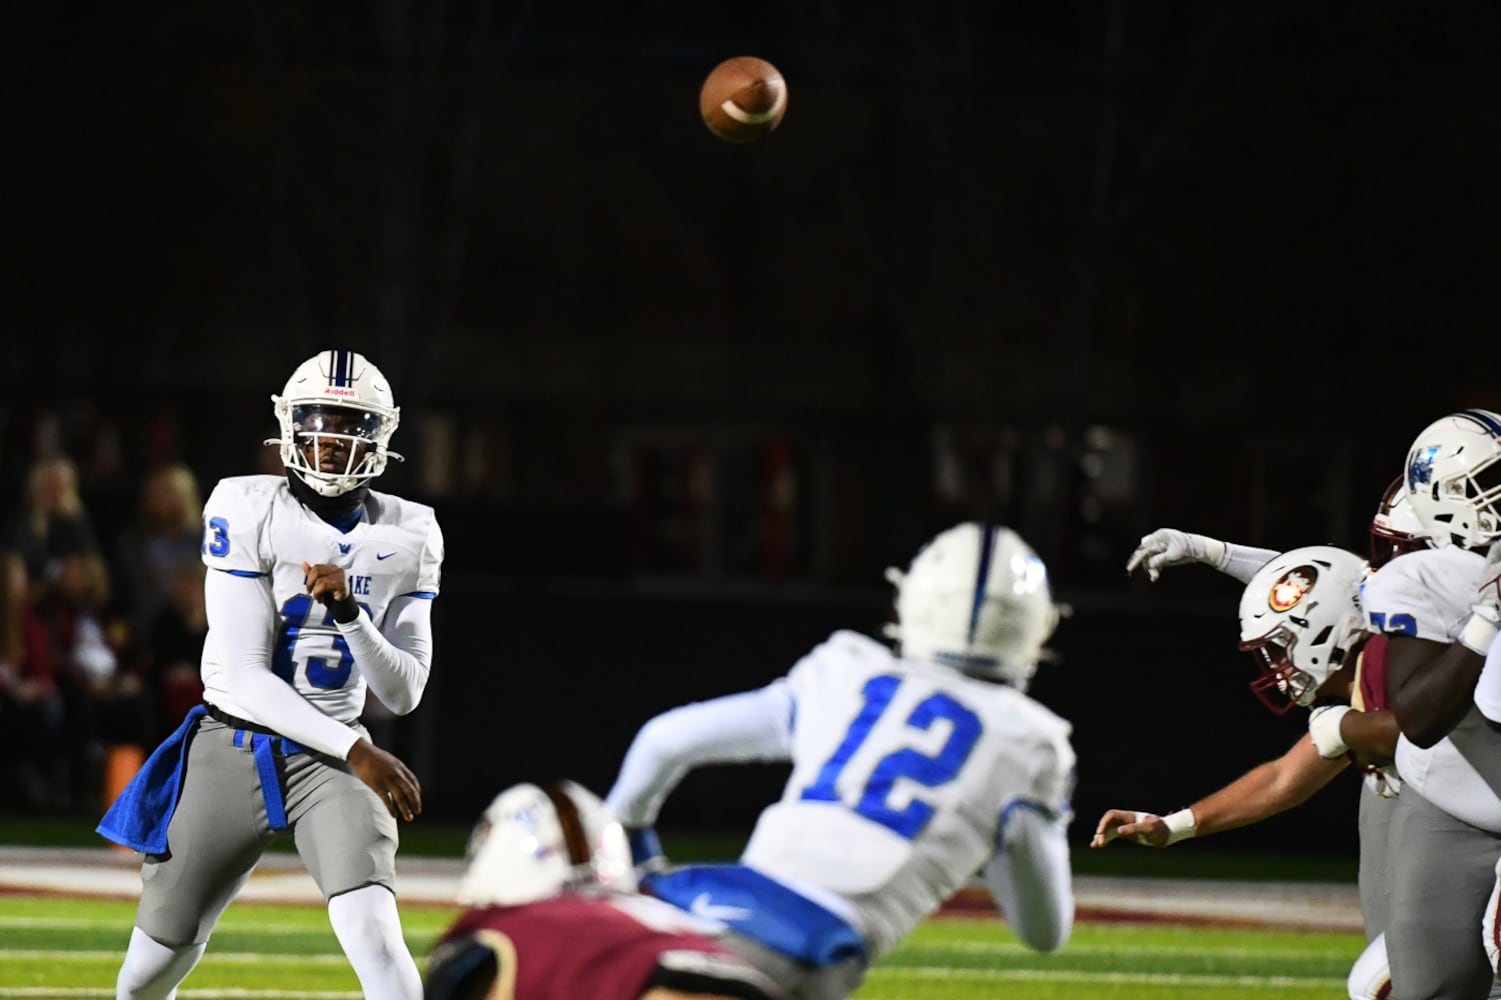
1370, 676
575, 947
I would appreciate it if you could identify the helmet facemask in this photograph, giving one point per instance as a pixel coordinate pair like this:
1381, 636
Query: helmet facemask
1281, 686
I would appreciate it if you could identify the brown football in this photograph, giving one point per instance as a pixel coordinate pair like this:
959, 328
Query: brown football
743, 99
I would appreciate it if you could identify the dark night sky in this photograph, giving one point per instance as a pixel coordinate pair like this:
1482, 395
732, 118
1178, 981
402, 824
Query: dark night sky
1259, 241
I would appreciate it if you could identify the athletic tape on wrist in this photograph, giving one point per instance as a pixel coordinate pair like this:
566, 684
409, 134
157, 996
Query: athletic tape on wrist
1323, 729
1181, 825
1478, 634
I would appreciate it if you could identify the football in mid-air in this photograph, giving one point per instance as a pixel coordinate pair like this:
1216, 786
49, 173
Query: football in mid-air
743, 99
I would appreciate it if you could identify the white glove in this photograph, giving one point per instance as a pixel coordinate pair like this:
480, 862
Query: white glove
1171, 547
1323, 726
1485, 614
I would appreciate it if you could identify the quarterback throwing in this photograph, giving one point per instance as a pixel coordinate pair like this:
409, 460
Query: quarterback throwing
319, 589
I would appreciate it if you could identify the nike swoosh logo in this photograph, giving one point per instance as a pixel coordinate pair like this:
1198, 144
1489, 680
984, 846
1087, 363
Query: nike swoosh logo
387, 555
703, 906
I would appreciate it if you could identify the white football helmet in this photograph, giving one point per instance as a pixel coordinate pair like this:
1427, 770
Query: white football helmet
976, 598
1454, 479
1299, 616
1395, 529
339, 407
537, 842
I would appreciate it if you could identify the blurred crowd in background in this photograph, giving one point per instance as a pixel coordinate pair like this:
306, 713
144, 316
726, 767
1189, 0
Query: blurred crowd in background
101, 606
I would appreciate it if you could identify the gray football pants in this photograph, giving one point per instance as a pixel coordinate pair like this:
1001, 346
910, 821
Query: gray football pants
1440, 873
800, 980
343, 832
1375, 829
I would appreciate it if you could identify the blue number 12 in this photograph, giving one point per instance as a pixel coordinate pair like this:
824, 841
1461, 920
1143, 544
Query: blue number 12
930, 771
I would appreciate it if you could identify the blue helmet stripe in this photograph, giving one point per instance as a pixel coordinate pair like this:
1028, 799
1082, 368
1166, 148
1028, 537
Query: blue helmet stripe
1485, 418
987, 548
341, 372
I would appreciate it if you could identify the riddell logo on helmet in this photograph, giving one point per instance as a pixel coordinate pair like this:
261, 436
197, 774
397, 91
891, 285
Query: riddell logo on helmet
333, 391
1291, 588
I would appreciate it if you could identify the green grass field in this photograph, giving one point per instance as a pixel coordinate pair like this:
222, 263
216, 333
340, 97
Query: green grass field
52, 947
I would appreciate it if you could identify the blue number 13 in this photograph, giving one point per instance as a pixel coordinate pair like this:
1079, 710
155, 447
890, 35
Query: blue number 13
930, 771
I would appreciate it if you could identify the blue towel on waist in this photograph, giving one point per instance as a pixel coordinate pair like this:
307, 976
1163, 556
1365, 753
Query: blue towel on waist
138, 819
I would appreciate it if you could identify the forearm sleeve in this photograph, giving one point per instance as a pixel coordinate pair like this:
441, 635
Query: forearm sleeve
1030, 880
1242, 561
242, 618
755, 725
394, 659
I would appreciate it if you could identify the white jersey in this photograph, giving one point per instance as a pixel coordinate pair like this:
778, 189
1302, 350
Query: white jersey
902, 773
255, 527
1427, 594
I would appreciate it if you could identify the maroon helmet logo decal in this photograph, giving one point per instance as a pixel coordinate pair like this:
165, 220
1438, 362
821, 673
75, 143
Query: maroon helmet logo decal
1292, 587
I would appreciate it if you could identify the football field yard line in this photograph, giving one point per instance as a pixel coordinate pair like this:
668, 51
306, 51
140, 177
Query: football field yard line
227, 957
93, 924
189, 994
1124, 978
1158, 951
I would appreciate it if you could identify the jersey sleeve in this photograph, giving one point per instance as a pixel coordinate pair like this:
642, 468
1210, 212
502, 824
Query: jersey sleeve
1054, 772
430, 561
233, 532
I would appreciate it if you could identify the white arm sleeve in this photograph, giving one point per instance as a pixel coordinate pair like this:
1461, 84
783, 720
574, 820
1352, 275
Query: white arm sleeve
754, 725
242, 616
395, 658
1242, 561
1029, 878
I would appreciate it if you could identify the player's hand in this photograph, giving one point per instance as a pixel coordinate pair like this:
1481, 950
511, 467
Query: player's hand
1143, 828
1171, 547
327, 583
388, 777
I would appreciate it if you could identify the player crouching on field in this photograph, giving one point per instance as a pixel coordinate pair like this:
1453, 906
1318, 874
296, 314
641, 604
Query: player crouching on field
553, 914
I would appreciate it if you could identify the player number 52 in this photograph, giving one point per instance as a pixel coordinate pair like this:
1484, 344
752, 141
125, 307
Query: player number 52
1400, 623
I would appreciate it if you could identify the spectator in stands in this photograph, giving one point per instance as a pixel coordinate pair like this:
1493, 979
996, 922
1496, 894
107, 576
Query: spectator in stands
104, 705
30, 706
54, 524
166, 534
174, 646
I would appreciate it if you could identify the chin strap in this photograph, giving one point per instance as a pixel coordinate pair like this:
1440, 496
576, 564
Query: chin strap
339, 508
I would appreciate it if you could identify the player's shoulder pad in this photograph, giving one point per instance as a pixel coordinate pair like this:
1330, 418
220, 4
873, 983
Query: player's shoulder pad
251, 493
400, 510
1419, 571
847, 649
1047, 727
